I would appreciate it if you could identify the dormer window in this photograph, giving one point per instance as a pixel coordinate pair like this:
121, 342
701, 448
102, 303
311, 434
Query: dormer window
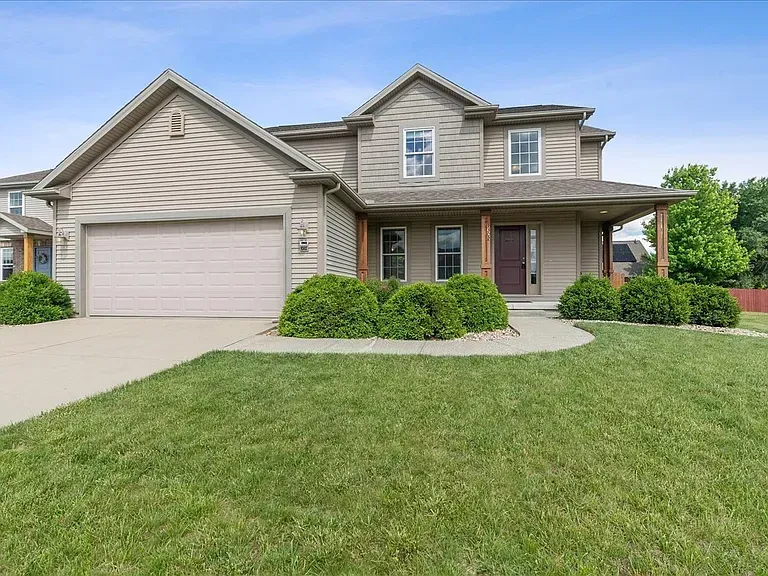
419, 152
16, 202
525, 152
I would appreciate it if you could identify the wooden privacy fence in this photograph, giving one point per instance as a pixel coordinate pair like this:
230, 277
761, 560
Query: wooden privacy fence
618, 279
751, 299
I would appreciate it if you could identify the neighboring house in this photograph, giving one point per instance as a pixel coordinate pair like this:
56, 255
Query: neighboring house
181, 206
25, 226
629, 258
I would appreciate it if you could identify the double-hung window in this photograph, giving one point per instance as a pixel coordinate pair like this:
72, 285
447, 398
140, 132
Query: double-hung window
419, 152
448, 243
525, 152
16, 202
393, 253
6, 261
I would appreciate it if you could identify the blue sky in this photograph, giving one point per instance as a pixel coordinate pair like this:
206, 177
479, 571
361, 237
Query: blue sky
679, 82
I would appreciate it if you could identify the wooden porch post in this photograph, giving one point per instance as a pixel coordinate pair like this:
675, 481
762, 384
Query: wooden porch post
362, 247
29, 253
662, 241
607, 249
485, 244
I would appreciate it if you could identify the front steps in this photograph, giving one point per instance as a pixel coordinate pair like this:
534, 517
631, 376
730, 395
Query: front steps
520, 308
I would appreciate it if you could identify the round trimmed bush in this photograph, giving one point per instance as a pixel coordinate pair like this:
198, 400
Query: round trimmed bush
654, 300
421, 311
383, 290
33, 298
481, 305
590, 298
329, 307
712, 306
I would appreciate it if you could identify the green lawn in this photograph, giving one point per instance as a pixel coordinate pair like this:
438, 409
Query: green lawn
754, 321
643, 452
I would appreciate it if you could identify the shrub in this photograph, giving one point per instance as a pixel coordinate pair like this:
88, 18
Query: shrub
383, 290
329, 307
654, 300
590, 298
712, 306
32, 298
481, 305
421, 312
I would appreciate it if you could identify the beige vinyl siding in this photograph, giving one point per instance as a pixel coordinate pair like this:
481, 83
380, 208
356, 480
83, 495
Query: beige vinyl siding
558, 247
7, 229
38, 209
560, 152
337, 154
590, 248
420, 245
213, 166
590, 160
341, 233
420, 106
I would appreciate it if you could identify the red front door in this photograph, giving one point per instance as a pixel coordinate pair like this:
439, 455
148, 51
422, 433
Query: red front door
509, 259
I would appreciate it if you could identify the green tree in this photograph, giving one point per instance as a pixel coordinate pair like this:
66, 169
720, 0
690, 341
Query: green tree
751, 226
703, 247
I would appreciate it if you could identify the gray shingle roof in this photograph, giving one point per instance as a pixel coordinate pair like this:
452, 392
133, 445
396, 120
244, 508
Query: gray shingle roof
28, 177
587, 131
508, 110
28, 222
574, 189
288, 127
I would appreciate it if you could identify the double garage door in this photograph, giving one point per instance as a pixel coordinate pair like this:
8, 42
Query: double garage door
216, 268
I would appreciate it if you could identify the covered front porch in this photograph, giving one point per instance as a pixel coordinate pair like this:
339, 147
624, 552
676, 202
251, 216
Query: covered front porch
532, 253
25, 244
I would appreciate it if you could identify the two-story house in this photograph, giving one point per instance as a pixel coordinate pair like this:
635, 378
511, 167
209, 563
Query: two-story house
179, 205
25, 226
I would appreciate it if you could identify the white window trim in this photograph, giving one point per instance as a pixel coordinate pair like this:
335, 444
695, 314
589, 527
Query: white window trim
509, 152
444, 226
23, 201
381, 250
2, 250
434, 153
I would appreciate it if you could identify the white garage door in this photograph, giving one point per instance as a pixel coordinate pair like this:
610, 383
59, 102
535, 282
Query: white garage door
219, 268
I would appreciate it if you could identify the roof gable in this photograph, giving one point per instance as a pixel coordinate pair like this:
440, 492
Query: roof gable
139, 107
419, 72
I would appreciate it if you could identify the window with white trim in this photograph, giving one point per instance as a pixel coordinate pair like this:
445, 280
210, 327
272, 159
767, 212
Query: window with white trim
393, 254
6, 263
16, 202
525, 152
449, 248
418, 152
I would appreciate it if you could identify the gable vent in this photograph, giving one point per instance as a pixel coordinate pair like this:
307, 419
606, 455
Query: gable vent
176, 123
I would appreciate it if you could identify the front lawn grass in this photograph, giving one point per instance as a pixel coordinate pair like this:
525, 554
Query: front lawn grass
757, 321
643, 452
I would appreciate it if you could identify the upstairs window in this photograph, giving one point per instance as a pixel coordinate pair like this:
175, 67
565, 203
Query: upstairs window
16, 203
419, 155
6, 256
525, 152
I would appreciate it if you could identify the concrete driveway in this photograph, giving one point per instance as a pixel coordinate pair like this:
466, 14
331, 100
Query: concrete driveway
45, 365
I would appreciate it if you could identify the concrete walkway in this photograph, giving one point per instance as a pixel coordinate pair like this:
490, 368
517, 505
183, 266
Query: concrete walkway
45, 365
537, 334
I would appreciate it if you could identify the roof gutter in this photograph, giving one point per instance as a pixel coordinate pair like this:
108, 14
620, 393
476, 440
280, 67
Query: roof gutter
583, 113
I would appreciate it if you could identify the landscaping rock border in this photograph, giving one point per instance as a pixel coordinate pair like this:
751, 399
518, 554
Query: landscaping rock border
693, 327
